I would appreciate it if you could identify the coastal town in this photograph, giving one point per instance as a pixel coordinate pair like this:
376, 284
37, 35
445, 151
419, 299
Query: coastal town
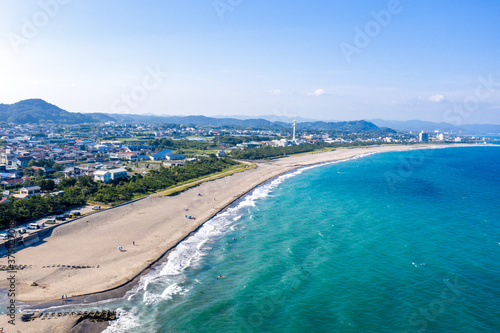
65, 164
110, 151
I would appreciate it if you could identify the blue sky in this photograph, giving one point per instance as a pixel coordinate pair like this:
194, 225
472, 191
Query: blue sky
329, 60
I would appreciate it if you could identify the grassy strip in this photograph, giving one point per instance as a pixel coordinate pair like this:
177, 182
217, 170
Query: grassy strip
194, 182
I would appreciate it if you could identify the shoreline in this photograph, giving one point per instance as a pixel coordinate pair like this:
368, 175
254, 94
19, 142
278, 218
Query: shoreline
126, 286
278, 167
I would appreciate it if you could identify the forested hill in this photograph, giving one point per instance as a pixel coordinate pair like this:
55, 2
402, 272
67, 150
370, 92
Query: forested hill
37, 110
358, 126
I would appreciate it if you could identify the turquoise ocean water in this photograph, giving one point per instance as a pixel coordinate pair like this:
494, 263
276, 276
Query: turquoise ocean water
392, 242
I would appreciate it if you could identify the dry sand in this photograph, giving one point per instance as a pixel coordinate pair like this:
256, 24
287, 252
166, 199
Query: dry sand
155, 224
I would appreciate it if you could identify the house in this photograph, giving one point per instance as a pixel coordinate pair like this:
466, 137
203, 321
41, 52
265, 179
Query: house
118, 173
22, 161
173, 163
87, 171
43, 169
102, 147
108, 175
166, 154
252, 144
162, 155
131, 156
281, 143
102, 175
6, 158
143, 157
29, 191
48, 170
13, 181
175, 157
72, 172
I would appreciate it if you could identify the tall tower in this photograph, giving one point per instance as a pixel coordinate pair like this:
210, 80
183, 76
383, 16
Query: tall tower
294, 123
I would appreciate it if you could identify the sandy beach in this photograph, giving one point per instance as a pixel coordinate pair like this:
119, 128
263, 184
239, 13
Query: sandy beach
146, 230
53, 325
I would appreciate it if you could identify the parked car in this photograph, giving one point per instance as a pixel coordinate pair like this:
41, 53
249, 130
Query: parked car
66, 215
4, 236
50, 221
32, 226
76, 213
96, 207
60, 218
21, 230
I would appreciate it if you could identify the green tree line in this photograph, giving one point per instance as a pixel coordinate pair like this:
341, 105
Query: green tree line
276, 152
77, 191
272, 152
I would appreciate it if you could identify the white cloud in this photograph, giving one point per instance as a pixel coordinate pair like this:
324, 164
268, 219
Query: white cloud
319, 92
275, 92
436, 98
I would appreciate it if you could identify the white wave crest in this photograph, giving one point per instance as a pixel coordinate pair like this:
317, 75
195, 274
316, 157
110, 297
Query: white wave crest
190, 251
126, 322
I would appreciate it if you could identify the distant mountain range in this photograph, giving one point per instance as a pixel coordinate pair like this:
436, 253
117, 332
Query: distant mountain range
190, 120
344, 126
39, 111
427, 126
273, 118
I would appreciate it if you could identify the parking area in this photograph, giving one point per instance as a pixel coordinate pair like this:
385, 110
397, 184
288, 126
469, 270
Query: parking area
55, 219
